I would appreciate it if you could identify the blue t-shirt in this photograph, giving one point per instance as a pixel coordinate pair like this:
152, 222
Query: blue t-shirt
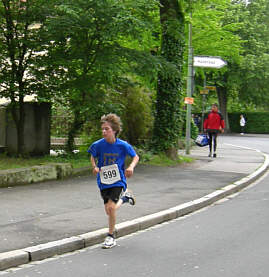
112, 153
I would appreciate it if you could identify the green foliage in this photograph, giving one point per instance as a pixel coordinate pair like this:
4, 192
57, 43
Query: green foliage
23, 46
133, 104
92, 42
161, 159
136, 113
88, 138
194, 129
23, 51
168, 116
82, 159
61, 119
214, 30
78, 160
256, 122
235, 104
215, 27
254, 77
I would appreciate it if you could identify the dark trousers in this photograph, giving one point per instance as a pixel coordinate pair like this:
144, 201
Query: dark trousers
212, 135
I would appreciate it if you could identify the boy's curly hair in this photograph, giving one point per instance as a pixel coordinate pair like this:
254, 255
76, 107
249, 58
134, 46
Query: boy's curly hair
114, 121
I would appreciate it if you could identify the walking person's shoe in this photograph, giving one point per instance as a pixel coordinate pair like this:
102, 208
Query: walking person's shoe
215, 155
109, 242
128, 197
209, 155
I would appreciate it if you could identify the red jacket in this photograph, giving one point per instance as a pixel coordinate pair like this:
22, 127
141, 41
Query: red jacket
214, 121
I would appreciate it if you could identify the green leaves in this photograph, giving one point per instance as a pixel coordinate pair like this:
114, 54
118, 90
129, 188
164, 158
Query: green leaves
168, 117
254, 30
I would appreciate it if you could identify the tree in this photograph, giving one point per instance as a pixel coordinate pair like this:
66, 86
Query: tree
91, 43
168, 117
215, 34
253, 71
22, 53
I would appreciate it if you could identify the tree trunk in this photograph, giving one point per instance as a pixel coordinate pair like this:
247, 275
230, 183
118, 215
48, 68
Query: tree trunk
222, 97
168, 119
76, 126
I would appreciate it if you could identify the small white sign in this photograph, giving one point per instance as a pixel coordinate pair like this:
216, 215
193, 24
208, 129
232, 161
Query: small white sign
210, 62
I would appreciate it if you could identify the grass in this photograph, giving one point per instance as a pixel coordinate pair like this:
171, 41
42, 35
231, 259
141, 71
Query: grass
163, 160
79, 160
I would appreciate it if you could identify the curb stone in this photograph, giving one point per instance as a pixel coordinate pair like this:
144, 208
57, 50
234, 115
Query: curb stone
43, 251
13, 258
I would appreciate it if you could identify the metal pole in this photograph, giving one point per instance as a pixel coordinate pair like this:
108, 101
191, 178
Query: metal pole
203, 109
189, 88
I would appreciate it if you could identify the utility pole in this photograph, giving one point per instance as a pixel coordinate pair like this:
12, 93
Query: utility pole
189, 86
203, 108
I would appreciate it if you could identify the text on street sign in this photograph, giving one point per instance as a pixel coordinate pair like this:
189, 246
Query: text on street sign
210, 62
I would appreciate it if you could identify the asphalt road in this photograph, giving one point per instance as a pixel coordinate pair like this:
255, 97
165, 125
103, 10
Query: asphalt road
260, 142
40, 213
229, 239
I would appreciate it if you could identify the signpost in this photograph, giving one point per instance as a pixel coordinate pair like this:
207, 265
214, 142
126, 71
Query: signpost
188, 100
209, 62
197, 61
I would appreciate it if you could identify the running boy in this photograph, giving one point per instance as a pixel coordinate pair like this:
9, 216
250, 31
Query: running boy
110, 153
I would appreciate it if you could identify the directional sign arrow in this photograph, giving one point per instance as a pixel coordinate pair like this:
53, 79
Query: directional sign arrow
211, 62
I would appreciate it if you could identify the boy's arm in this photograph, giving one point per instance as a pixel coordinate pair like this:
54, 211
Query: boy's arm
130, 170
95, 169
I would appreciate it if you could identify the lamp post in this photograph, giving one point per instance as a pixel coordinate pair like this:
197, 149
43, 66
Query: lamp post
189, 86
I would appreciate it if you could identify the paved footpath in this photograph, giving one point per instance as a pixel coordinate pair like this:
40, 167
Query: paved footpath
41, 220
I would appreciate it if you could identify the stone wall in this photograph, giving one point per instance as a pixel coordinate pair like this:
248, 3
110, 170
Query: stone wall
34, 174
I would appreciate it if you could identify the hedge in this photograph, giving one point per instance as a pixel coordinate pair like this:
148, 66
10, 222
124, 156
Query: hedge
256, 122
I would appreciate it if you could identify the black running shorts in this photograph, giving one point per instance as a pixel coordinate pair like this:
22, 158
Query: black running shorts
112, 194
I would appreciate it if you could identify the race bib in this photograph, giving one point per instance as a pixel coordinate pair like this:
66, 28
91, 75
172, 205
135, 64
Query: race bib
110, 174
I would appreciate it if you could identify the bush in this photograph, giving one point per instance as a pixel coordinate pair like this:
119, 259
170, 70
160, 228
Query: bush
256, 122
194, 129
136, 114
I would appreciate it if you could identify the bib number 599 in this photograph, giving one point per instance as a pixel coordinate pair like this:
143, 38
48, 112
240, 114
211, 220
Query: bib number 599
110, 174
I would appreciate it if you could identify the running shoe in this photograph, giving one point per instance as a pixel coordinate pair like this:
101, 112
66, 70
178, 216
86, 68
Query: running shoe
109, 242
128, 197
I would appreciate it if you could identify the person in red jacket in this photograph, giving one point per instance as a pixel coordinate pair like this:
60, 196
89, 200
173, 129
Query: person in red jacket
213, 124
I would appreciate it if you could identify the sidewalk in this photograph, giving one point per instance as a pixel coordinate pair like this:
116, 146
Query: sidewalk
38, 218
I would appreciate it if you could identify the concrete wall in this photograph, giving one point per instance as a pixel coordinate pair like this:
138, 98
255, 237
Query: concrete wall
2, 126
36, 130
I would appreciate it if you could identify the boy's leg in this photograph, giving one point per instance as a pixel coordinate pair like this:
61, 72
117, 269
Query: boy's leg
215, 145
210, 143
111, 197
110, 208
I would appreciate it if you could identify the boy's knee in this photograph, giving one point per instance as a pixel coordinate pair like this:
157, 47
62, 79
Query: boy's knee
110, 208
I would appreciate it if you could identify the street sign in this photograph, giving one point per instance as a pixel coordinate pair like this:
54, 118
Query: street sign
204, 91
188, 100
210, 62
211, 87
